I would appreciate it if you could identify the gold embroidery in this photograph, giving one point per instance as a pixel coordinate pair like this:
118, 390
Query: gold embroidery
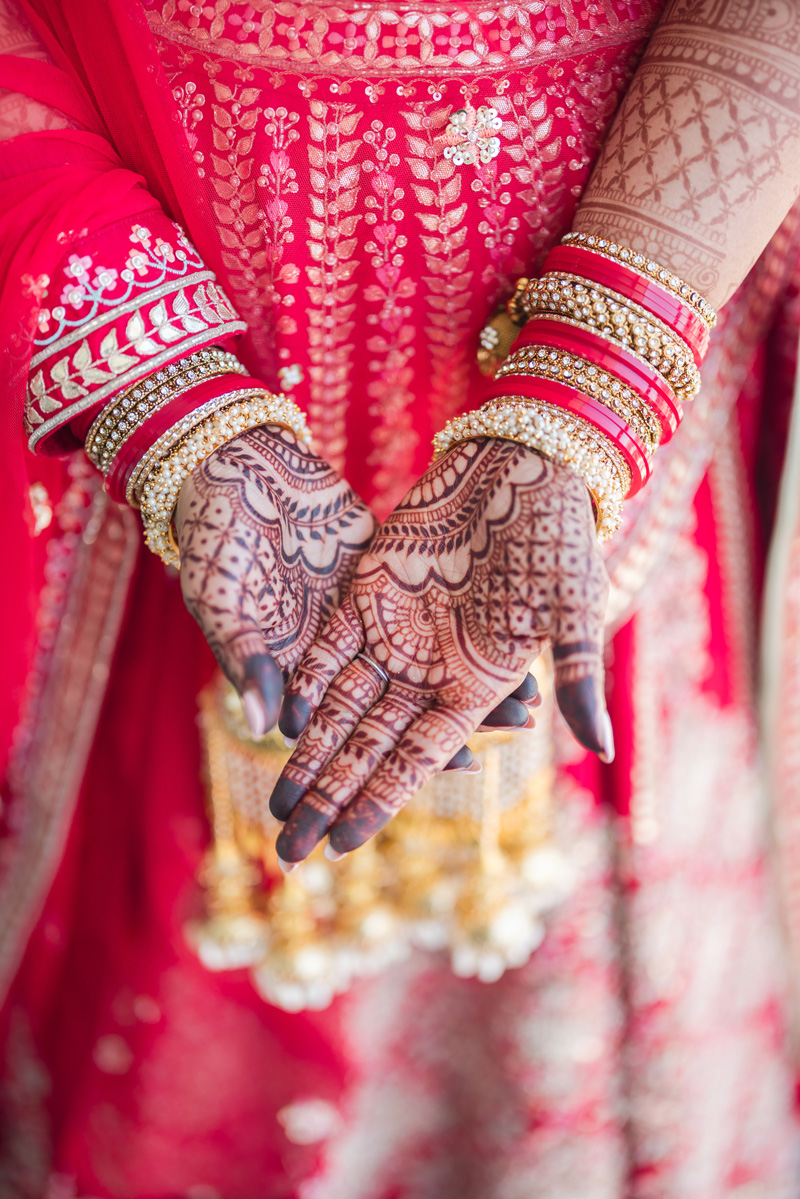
448, 284
85, 356
391, 349
334, 180
393, 39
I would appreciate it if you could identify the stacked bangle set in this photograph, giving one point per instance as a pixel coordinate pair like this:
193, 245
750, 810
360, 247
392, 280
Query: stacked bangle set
596, 379
149, 438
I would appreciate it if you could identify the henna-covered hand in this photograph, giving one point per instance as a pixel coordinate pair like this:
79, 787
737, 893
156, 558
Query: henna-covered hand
490, 557
269, 536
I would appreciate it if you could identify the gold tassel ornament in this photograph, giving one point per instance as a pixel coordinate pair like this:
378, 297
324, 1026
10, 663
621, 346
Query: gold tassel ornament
468, 867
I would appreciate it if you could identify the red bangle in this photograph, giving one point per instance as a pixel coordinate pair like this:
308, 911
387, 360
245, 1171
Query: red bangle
631, 370
621, 435
160, 421
680, 318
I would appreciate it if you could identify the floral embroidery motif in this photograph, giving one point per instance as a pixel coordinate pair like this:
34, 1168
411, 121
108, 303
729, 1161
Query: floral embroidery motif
471, 136
41, 507
376, 39
114, 324
290, 376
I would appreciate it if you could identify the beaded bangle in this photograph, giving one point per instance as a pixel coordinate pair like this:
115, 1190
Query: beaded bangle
557, 435
619, 434
118, 420
172, 435
585, 377
599, 309
180, 410
161, 487
646, 267
651, 296
637, 374
585, 337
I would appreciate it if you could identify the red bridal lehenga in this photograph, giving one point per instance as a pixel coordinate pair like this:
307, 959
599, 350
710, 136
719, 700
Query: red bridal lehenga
636, 1038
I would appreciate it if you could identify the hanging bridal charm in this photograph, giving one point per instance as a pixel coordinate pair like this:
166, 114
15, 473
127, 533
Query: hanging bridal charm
468, 867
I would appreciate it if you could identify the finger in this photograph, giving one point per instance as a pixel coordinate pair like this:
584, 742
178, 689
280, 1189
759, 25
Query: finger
335, 647
509, 714
424, 748
462, 760
515, 710
376, 736
577, 641
348, 698
227, 612
262, 693
580, 693
528, 691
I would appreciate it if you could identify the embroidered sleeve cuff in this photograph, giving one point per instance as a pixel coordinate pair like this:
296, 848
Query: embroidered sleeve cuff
123, 303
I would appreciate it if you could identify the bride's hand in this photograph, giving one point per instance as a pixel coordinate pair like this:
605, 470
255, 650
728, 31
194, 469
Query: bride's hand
269, 537
490, 557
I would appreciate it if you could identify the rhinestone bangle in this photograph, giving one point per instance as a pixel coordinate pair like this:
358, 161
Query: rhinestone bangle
647, 267
118, 420
558, 436
161, 487
610, 315
577, 372
171, 438
683, 384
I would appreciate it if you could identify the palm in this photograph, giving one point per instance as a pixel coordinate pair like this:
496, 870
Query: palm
269, 537
490, 556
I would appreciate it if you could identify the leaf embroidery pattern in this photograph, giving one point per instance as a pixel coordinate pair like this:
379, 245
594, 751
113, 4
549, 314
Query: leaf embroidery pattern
334, 180
391, 349
148, 331
448, 283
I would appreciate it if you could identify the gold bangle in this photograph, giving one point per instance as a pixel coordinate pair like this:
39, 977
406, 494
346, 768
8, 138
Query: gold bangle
118, 420
684, 388
648, 268
545, 363
173, 435
560, 437
604, 312
161, 486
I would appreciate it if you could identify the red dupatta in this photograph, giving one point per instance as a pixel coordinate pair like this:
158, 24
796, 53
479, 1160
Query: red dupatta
106, 79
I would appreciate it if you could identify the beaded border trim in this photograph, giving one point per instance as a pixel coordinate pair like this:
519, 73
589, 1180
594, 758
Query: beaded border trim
543, 363
119, 419
648, 268
161, 487
557, 435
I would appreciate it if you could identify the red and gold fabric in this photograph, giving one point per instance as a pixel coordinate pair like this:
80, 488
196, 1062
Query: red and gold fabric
311, 154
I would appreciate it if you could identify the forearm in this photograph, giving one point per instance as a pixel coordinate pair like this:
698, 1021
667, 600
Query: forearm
703, 159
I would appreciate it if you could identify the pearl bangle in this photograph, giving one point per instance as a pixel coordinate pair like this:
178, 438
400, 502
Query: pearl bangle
598, 384
558, 436
619, 321
160, 487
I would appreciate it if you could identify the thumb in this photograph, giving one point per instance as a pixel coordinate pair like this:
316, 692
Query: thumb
580, 693
261, 693
230, 623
